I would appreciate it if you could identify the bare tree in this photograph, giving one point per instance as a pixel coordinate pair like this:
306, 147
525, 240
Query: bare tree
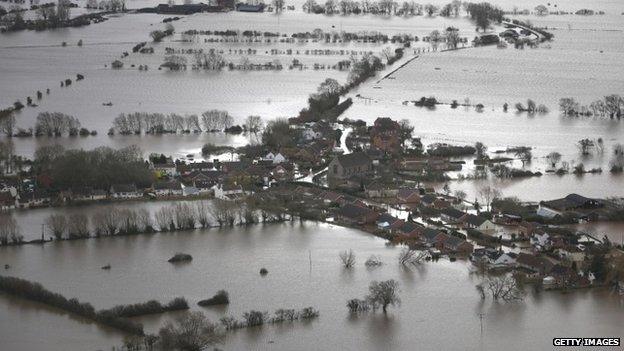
347, 258
411, 257
253, 124
585, 146
279, 5
9, 230
384, 294
501, 288
192, 332
78, 226
201, 209
373, 261
7, 124
489, 194
57, 225
554, 158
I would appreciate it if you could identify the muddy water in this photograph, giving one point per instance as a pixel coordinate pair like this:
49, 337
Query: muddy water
435, 297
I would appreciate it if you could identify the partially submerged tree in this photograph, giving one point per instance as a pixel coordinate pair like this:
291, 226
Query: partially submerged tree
503, 288
192, 332
409, 257
347, 258
383, 294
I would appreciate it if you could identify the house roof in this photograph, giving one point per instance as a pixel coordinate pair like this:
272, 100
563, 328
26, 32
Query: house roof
430, 234
409, 227
123, 188
476, 221
354, 160
453, 242
405, 193
386, 217
536, 263
173, 185
452, 212
428, 198
353, 211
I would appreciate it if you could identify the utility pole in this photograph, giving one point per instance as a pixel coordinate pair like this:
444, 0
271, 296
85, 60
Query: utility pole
481, 315
310, 258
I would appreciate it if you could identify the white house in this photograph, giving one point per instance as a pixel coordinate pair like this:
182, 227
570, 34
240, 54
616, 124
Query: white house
275, 158
309, 134
540, 241
505, 260
172, 188
125, 191
227, 192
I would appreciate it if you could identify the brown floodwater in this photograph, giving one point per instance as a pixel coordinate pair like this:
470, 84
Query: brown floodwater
439, 311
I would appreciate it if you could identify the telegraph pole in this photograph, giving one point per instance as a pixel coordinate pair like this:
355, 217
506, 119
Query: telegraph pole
481, 315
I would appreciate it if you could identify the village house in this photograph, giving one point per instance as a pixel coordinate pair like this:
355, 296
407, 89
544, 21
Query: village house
184, 170
87, 193
167, 188
408, 196
378, 190
427, 164
33, 199
451, 215
227, 191
570, 203
275, 158
125, 191
410, 229
388, 222
163, 167
571, 253
540, 241
7, 201
506, 259
540, 265
353, 214
479, 223
454, 244
386, 135
342, 167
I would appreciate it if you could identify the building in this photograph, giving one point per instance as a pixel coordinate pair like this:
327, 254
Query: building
227, 192
354, 214
343, 167
170, 188
451, 215
386, 135
87, 193
479, 223
408, 196
125, 191
537, 264
458, 245
570, 203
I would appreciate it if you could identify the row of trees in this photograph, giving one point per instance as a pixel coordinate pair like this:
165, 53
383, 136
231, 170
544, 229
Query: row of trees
9, 230
127, 221
48, 123
159, 123
99, 168
484, 13
381, 7
610, 106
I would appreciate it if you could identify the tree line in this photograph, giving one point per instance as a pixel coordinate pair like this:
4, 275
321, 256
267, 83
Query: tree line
47, 124
159, 123
610, 106
116, 317
100, 168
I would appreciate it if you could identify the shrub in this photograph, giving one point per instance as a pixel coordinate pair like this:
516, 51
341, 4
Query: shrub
180, 257
220, 298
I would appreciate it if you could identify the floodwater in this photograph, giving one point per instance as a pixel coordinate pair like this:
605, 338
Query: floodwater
435, 296
585, 61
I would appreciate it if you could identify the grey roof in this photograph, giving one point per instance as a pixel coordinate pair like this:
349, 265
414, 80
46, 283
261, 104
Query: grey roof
353, 211
386, 217
409, 227
429, 234
475, 220
452, 213
354, 160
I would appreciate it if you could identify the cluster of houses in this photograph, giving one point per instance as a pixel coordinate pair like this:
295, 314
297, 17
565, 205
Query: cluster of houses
223, 180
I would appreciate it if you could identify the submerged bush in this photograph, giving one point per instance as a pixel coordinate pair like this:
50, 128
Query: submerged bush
220, 298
